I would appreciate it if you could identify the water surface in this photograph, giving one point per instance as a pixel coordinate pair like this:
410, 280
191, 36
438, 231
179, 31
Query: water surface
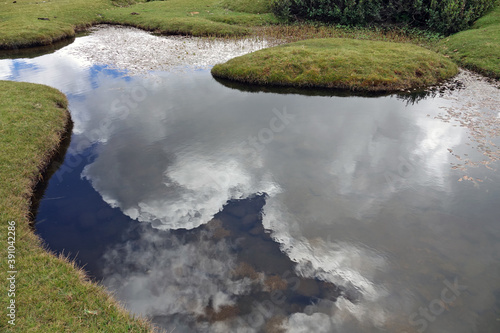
213, 209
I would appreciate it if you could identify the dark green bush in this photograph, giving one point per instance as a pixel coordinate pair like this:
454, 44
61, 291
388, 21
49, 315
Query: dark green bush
445, 16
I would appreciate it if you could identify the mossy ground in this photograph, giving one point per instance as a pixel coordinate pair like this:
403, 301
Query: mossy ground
358, 65
51, 294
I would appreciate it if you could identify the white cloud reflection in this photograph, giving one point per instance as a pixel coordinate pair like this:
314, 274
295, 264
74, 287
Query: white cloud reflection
172, 158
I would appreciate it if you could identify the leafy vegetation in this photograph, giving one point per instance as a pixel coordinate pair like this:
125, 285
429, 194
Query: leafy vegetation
477, 49
445, 16
51, 294
358, 65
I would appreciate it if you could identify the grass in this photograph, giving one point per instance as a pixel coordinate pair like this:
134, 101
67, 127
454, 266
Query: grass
478, 48
248, 6
358, 65
300, 31
190, 17
51, 294
20, 25
364, 66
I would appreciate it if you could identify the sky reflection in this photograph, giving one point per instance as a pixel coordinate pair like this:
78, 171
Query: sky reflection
360, 192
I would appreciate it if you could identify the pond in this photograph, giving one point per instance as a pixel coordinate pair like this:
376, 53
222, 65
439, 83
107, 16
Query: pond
211, 207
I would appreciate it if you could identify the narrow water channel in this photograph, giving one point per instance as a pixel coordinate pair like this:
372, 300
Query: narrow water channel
210, 207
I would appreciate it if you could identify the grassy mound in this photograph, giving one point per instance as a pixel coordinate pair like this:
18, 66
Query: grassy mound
358, 65
477, 49
51, 295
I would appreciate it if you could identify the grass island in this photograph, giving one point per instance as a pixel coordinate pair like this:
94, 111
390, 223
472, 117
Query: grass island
357, 65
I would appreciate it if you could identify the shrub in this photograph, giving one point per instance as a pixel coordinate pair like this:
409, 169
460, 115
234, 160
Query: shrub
445, 16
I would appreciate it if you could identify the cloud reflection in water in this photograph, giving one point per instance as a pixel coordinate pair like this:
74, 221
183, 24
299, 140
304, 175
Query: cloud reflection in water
357, 189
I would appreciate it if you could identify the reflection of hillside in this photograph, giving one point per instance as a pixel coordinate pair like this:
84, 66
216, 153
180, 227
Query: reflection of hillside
410, 97
295, 91
33, 52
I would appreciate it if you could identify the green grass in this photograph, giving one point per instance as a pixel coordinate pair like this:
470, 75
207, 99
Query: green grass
478, 48
248, 6
190, 17
20, 25
358, 65
51, 294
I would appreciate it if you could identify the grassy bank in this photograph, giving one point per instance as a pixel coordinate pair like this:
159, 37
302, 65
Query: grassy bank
20, 25
25, 23
359, 65
478, 48
50, 294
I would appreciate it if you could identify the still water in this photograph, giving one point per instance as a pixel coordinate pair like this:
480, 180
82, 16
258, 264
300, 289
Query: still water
210, 208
